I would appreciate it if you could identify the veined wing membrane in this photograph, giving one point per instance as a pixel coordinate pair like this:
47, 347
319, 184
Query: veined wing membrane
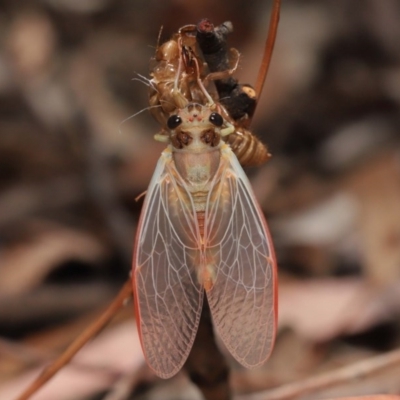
168, 296
243, 297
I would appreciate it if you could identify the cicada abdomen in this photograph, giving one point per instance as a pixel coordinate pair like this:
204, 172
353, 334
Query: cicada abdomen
249, 150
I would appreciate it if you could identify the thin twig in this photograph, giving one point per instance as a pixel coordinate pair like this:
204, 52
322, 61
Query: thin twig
31, 355
79, 342
357, 370
206, 365
269, 47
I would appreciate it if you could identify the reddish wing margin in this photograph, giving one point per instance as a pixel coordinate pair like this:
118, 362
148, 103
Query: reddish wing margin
243, 299
168, 296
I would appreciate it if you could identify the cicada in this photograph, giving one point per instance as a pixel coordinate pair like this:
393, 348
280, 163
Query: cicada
202, 231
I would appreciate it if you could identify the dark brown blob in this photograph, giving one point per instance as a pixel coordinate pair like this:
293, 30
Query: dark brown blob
239, 101
181, 139
210, 137
213, 43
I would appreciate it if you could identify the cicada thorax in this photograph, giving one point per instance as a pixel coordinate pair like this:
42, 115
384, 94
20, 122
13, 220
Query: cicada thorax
195, 135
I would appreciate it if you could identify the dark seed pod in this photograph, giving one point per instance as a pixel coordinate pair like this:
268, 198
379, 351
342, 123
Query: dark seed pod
212, 42
239, 102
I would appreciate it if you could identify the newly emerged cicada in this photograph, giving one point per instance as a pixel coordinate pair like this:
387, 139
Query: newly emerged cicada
201, 230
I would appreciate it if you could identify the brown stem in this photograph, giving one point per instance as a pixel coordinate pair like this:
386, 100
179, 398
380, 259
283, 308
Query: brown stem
206, 366
269, 47
79, 342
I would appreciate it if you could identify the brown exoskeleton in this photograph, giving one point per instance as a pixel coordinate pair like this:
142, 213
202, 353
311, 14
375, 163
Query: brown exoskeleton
196, 66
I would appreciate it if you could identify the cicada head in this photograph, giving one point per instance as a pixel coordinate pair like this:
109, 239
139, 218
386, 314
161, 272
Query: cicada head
197, 127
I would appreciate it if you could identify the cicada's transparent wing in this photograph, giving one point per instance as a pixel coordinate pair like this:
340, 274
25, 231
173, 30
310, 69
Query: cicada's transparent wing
243, 297
168, 296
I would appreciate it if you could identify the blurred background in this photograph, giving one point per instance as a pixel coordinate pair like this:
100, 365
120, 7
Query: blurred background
72, 162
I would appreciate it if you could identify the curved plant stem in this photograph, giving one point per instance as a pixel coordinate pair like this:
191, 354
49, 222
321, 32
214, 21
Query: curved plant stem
124, 294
